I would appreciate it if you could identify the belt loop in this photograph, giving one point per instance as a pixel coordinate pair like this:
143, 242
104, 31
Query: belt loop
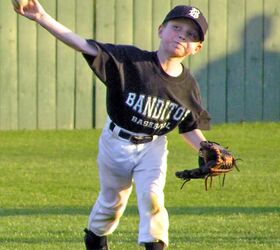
114, 128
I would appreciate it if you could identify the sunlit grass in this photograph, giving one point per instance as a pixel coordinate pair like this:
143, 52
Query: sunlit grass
49, 182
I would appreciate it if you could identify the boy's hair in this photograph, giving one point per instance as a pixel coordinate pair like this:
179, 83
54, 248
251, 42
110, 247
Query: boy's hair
193, 13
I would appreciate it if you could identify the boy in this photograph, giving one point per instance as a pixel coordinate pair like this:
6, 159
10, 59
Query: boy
148, 95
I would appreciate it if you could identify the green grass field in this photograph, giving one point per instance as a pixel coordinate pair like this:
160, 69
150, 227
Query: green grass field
48, 183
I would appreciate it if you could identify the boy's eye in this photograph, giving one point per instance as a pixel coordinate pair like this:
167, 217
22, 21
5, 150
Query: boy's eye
193, 36
176, 27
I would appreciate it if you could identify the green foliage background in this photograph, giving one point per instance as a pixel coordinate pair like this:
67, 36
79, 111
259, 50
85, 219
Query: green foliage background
49, 181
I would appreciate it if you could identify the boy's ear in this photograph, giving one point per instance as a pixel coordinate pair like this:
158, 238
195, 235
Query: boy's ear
160, 28
198, 48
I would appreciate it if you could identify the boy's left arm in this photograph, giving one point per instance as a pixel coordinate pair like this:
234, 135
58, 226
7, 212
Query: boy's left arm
194, 138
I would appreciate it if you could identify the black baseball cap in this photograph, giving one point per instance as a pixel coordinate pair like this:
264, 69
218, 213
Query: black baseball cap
193, 13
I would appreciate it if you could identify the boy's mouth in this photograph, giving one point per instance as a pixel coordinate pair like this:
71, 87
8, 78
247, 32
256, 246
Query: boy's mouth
180, 45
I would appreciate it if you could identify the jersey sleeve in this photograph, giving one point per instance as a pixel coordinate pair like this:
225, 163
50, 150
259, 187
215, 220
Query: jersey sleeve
188, 124
107, 63
199, 117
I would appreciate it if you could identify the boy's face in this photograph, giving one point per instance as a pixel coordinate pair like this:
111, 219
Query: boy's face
180, 38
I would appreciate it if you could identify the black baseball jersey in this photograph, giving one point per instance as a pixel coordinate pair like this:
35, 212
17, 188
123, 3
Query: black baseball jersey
141, 96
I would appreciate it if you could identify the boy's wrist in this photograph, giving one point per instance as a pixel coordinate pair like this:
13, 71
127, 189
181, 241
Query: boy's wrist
42, 18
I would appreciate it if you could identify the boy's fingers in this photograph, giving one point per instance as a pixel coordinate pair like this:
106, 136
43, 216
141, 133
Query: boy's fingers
21, 9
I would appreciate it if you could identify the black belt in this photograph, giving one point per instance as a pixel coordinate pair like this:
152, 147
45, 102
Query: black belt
135, 139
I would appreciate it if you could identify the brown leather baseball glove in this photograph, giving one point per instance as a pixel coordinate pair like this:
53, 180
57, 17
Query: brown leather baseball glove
213, 160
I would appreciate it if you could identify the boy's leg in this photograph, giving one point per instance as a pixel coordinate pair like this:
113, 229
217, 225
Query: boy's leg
104, 218
115, 188
149, 176
107, 211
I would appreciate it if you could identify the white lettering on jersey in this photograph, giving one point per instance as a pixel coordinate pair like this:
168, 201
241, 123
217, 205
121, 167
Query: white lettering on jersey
153, 125
155, 108
158, 109
150, 104
163, 114
130, 99
138, 107
179, 114
172, 106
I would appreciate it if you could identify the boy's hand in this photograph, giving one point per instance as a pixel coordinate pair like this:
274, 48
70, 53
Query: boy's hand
33, 10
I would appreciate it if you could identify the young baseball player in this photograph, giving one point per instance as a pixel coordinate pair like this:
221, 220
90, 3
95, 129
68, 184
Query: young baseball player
148, 95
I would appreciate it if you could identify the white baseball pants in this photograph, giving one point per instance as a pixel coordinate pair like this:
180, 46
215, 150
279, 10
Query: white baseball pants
120, 163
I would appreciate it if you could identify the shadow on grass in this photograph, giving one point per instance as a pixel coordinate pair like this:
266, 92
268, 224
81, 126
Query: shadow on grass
33, 211
132, 210
222, 238
40, 240
222, 210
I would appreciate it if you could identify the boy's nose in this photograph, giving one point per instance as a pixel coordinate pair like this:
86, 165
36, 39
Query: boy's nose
182, 37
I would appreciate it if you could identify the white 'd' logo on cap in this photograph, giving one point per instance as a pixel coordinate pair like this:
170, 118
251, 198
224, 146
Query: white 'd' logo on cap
194, 13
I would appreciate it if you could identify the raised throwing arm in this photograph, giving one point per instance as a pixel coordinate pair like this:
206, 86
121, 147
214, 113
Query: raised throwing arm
34, 11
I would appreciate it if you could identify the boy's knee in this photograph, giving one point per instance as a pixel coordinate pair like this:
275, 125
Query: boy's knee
153, 202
